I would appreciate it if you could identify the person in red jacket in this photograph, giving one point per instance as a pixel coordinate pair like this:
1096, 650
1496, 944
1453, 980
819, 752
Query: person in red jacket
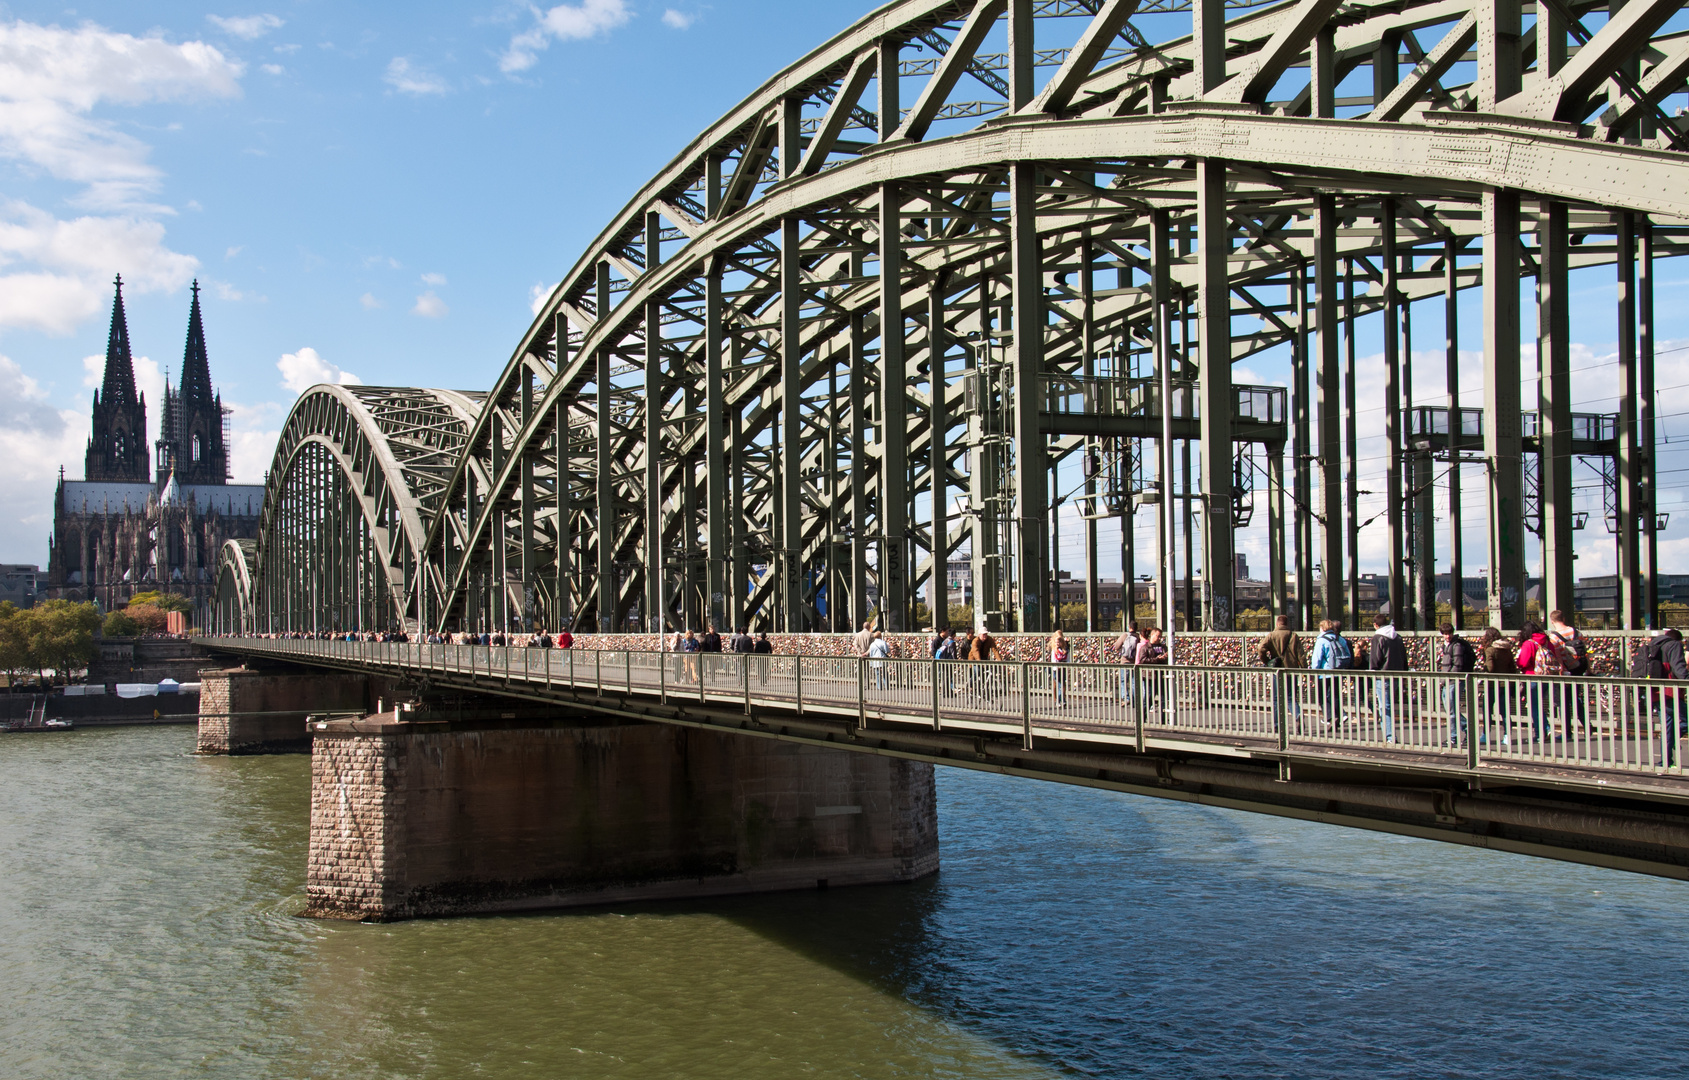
1533, 646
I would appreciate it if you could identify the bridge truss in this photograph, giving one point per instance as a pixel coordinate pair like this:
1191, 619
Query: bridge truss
846, 335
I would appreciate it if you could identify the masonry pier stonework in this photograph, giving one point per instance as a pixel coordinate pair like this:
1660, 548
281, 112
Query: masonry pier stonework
413, 816
263, 710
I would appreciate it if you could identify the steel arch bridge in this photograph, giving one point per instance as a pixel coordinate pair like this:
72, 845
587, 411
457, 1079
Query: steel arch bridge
847, 334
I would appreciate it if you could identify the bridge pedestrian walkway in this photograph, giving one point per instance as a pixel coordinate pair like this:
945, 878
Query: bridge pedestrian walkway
1606, 735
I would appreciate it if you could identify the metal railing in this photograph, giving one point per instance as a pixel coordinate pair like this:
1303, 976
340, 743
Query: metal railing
1424, 718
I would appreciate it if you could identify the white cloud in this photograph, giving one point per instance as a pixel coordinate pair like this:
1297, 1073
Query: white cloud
285, 50
253, 431
233, 251
304, 369
538, 295
55, 273
52, 78
678, 20
60, 270
565, 22
369, 301
430, 306
272, 69
246, 27
35, 439
409, 79
433, 279
226, 291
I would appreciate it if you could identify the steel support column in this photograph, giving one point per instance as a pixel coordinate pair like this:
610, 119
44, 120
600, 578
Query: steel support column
894, 416
1554, 438
938, 453
716, 502
1630, 449
858, 464
1647, 409
1351, 452
1395, 459
790, 476
1302, 499
655, 393
1502, 446
1027, 302
1214, 301
1161, 241
1328, 375
606, 501
1451, 357
1090, 460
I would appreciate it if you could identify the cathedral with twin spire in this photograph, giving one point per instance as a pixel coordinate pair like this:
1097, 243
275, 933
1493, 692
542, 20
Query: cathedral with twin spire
137, 522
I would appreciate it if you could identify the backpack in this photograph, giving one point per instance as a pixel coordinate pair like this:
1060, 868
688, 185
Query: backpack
1579, 664
1462, 655
1344, 655
1499, 660
1650, 663
1129, 650
1549, 659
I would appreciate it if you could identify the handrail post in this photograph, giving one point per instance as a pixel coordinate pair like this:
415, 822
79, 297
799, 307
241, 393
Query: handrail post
797, 678
598, 671
1025, 707
745, 676
861, 694
1471, 703
627, 663
1277, 687
1137, 685
935, 723
662, 672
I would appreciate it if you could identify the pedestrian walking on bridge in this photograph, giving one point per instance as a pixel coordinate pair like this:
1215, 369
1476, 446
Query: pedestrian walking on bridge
1282, 649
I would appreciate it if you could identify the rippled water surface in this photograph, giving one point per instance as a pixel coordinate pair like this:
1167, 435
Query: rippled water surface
147, 929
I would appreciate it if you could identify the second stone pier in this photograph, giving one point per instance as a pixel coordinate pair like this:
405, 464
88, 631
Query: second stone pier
414, 817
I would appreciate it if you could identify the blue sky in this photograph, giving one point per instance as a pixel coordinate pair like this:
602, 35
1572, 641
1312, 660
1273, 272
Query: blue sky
365, 188
377, 190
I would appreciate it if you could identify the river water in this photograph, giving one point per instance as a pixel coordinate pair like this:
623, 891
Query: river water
148, 929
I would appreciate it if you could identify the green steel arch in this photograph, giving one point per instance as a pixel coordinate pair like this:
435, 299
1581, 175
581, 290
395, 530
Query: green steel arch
357, 476
231, 610
840, 342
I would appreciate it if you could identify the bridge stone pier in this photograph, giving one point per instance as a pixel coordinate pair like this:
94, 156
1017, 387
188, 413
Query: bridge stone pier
262, 710
414, 814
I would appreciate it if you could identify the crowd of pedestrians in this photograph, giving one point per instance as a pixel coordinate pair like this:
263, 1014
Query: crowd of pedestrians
1556, 708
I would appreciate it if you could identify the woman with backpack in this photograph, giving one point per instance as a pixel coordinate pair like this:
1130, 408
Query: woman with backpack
1152, 652
1571, 651
1495, 657
1535, 658
1331, 653
1058, 674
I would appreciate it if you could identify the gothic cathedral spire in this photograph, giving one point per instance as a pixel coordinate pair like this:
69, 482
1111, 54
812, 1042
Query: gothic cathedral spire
117, 447
192, 441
